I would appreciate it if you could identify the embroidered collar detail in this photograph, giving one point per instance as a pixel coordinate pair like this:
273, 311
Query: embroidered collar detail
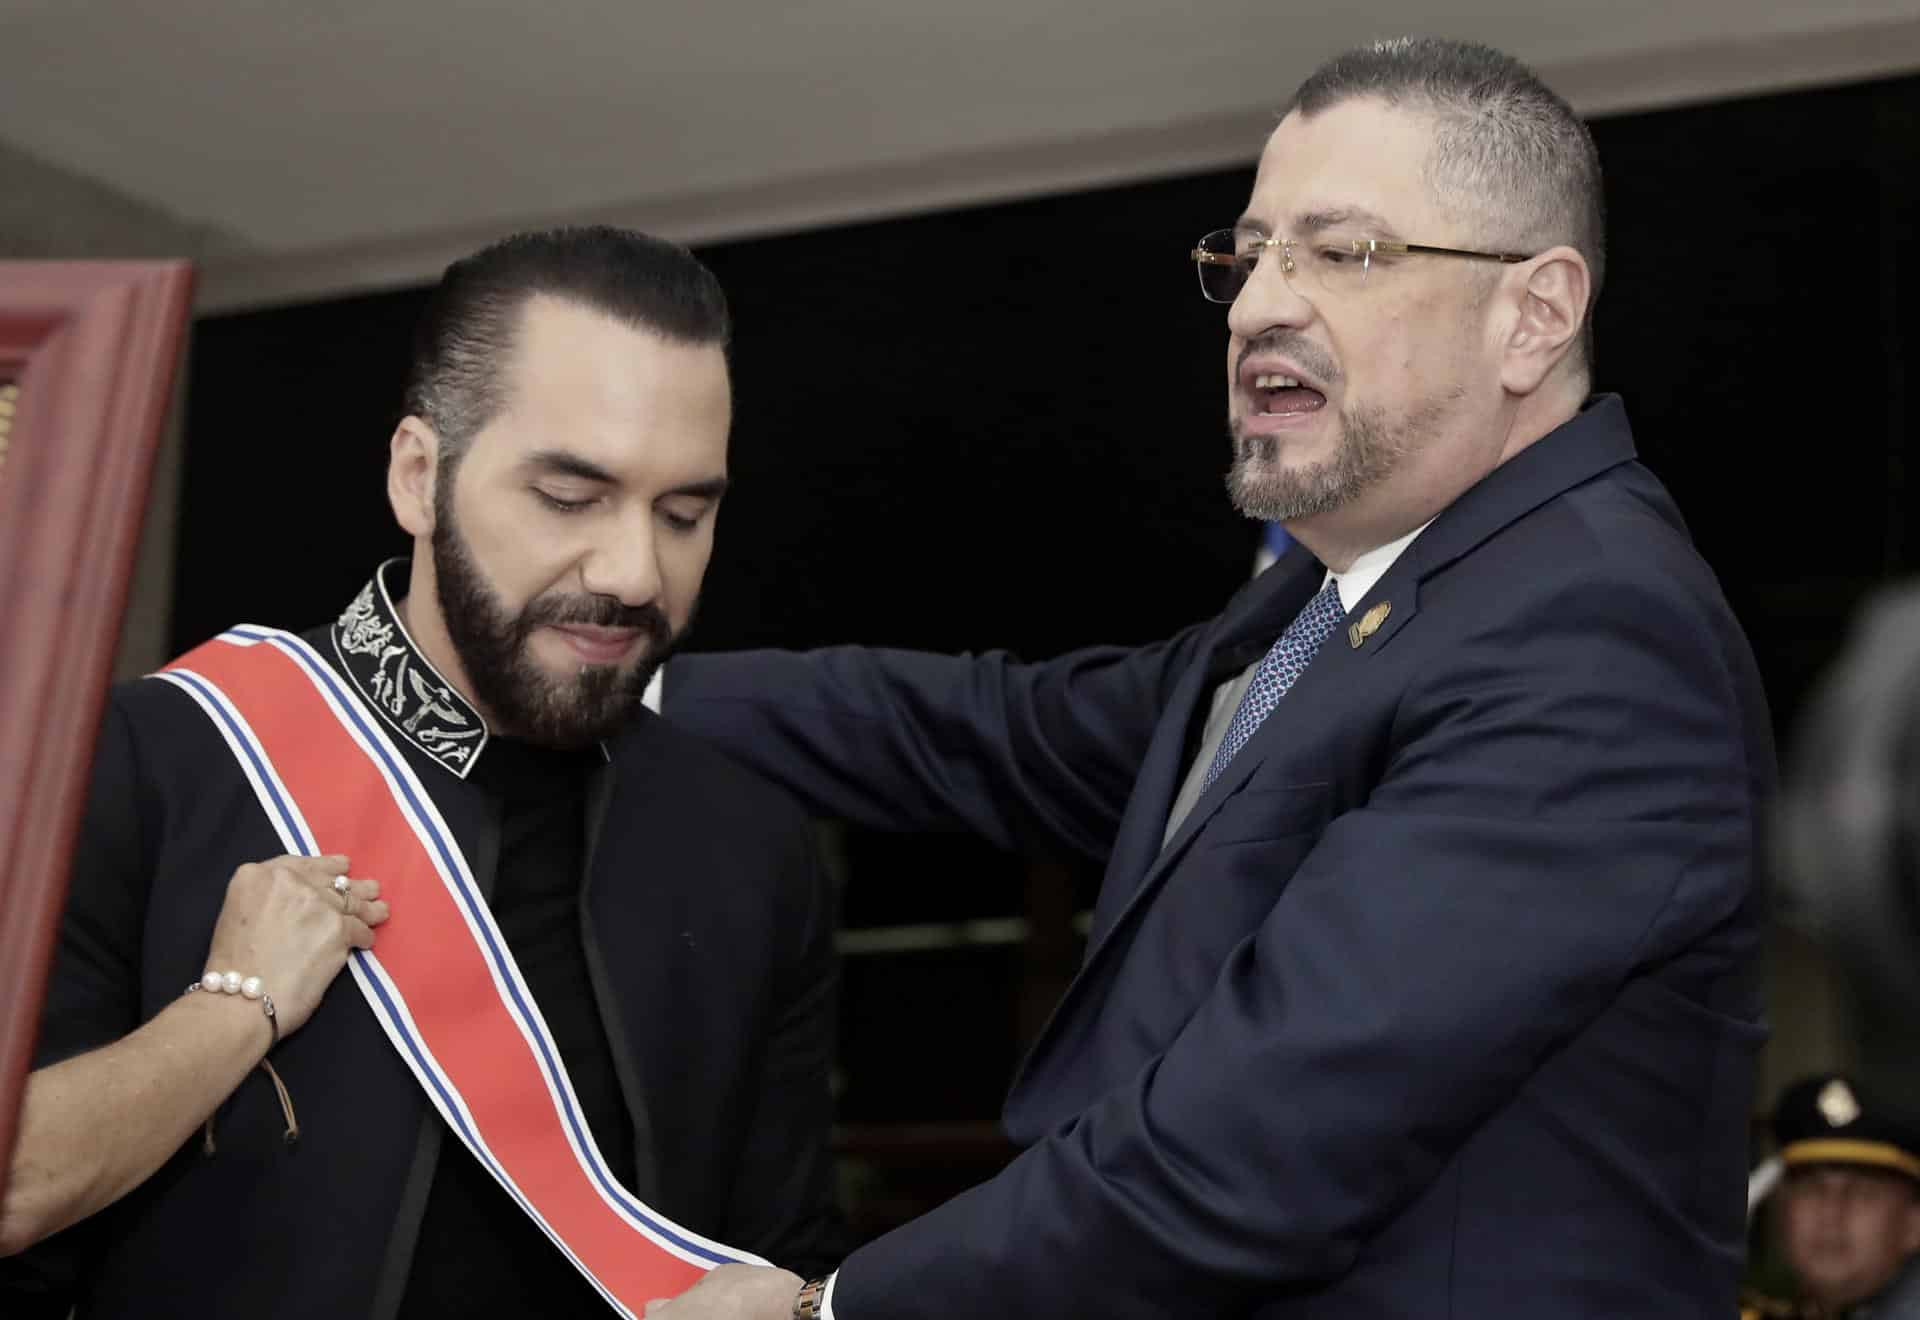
393, 677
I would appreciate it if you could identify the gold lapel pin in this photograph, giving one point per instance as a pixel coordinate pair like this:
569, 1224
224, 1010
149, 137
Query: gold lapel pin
1369, 623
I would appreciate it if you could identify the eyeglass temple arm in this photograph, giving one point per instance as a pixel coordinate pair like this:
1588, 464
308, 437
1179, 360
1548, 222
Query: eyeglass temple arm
1206, 258
1505, 258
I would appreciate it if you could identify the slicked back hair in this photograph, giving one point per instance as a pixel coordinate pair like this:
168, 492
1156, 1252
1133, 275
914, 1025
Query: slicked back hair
465, 338
1508, 152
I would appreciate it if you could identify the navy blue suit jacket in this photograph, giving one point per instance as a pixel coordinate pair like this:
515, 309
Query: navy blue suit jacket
1443, 1000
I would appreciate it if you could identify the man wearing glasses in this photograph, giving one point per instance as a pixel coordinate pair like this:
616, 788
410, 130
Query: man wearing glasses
1423, 979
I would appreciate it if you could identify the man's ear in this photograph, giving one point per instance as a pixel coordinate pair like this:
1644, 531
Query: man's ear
413, 465
1550, 303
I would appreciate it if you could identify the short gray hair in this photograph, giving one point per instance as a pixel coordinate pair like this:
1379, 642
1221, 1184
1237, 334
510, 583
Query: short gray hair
1507, 149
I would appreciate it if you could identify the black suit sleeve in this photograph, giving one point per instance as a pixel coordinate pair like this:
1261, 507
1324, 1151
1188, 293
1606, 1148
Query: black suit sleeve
1028, 756
93, 991
1567, 811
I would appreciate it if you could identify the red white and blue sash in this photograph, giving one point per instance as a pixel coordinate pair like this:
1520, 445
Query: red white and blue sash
443, 984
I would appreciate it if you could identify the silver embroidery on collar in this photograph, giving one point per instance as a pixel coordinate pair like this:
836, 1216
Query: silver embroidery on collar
398, 681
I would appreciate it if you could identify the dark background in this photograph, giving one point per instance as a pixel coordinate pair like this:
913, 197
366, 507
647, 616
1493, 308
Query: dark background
1001, 427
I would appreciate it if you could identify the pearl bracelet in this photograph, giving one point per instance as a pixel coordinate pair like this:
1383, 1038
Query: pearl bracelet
232, 983
250, 987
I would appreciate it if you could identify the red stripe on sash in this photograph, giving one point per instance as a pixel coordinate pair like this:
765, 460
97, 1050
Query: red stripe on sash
428, 951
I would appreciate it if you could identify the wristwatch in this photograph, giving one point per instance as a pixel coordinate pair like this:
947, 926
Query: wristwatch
812, 1296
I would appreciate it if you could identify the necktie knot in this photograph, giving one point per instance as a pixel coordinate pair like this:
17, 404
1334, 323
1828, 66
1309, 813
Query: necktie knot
1278, 670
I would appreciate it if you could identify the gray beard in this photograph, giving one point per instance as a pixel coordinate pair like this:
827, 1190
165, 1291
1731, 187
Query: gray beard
1371, 449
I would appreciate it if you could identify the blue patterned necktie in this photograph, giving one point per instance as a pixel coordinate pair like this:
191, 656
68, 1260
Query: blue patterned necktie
1278, 669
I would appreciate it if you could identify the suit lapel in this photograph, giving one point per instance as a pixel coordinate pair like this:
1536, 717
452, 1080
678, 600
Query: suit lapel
1248, 628
1152, 798
601, 791
1314, 702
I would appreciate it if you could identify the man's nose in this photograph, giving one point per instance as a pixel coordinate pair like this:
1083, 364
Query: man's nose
1268, 300
626, 564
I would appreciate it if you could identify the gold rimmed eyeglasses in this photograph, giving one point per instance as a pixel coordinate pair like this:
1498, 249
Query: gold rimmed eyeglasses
1330, 263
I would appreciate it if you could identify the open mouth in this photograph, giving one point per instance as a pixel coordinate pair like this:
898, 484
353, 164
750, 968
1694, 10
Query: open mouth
1277, 395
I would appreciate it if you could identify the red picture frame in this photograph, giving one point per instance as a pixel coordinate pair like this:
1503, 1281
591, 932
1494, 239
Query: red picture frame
93, 348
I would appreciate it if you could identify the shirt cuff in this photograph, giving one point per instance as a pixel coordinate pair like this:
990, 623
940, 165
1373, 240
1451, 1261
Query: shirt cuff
826, 1297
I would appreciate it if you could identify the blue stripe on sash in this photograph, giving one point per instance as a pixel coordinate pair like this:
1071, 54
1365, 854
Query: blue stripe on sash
293, 827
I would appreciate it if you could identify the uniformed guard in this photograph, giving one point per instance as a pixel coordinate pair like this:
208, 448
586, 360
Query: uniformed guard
1848, 1219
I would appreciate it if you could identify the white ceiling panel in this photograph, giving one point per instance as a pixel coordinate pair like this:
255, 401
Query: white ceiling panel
366, 138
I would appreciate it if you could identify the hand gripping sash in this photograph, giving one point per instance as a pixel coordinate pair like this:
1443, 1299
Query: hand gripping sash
443, 984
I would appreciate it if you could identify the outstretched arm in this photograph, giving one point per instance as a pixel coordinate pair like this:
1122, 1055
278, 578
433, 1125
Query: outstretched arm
1025, 755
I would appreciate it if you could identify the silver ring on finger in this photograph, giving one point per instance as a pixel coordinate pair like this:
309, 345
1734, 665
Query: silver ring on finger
340, 887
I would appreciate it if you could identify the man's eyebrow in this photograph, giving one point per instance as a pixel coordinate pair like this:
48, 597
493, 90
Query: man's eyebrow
1344, 217
561, 463
1321, 219
710, 489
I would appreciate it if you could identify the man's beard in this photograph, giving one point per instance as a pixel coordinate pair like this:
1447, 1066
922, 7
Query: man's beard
492, 643
1369, 448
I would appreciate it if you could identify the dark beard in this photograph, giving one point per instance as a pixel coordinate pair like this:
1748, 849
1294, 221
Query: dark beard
524, 699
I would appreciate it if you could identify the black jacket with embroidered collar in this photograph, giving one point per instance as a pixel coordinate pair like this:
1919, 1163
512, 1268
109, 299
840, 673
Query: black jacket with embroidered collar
706, 923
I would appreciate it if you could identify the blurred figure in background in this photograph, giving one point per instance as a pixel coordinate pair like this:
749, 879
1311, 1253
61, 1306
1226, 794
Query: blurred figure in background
1848, 834
1848, 854
1847, 1212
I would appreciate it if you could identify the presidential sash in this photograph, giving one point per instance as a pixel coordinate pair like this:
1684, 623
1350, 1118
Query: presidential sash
443, 984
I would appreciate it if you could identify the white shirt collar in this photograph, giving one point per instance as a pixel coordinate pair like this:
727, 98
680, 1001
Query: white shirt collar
1367, 570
